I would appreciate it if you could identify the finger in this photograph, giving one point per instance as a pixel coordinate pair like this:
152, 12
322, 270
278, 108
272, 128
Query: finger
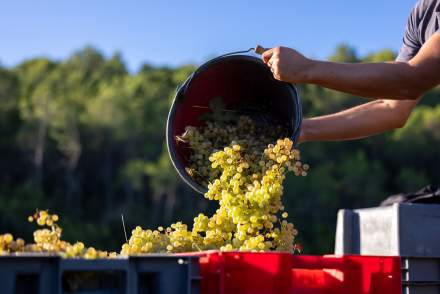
266, 56
273, 61
269, 63
275, 73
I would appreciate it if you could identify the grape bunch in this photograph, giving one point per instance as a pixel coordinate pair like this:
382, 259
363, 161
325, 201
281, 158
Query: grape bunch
8, 244
213, 137
242, 165
48, 239
244, 172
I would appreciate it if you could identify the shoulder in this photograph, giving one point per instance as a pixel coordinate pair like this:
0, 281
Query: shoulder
415, 28
423, 8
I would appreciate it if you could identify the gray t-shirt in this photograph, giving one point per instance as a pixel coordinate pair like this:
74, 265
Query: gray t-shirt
422, 24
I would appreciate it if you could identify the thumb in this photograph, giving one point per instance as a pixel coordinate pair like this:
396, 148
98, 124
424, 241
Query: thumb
267, 55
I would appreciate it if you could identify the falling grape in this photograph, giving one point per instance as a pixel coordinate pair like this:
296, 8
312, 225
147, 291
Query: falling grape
245, 173
48, 239
243, 166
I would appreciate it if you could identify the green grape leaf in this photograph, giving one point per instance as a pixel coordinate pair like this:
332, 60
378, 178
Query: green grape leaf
217, 104
219, 113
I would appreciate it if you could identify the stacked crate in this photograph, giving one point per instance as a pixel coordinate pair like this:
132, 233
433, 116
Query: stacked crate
209, 272
411, 231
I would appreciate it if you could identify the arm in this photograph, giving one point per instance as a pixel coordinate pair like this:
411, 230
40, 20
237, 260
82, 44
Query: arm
391, 80
358, 122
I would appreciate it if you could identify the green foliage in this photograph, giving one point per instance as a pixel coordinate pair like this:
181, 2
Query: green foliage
161, 173
344, 53
423, 125
83, 137
411, 180
381, 56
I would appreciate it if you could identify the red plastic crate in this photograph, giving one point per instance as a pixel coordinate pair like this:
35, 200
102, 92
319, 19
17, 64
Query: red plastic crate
254, 273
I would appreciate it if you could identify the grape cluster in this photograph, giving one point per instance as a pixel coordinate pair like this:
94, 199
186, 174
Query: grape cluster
48, 239
8, 244
204, 141
246, 178
243, 171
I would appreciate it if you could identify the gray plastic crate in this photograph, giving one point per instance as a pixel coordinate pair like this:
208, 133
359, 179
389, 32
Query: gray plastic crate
420, 275
400, 229
49, 274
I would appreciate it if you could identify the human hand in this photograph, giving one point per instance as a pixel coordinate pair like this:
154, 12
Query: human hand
287, 65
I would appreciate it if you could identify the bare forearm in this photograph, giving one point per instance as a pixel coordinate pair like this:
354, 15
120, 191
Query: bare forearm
392, 80
358, 122
374, 80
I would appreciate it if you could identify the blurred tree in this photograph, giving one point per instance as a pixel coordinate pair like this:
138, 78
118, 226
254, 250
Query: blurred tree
381, 56
164, 182
344, 53
35, 109
84, 137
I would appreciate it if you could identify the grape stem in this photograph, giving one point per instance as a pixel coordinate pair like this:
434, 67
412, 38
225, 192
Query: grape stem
123, 225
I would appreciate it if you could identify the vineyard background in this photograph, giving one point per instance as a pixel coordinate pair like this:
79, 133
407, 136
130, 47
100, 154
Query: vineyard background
84, 137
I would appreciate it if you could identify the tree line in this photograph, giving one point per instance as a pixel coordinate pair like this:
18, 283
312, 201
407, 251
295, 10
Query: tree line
84, 137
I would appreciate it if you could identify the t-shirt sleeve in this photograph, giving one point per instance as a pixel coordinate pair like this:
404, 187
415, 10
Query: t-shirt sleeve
411, 44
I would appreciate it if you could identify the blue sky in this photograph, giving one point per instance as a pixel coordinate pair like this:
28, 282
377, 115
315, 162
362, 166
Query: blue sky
178, 32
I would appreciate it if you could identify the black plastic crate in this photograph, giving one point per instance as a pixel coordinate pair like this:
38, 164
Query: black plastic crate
28, 273
103, 276
48, 274
165, 274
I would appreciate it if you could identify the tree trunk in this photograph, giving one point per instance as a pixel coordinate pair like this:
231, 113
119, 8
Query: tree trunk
169, 204
39, 147
157, 216
108, 183
73, 189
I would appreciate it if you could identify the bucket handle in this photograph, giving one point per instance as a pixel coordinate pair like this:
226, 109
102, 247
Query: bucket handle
257, 49
235, 52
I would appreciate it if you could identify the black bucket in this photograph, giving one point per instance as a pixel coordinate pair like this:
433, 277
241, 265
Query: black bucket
245, 83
